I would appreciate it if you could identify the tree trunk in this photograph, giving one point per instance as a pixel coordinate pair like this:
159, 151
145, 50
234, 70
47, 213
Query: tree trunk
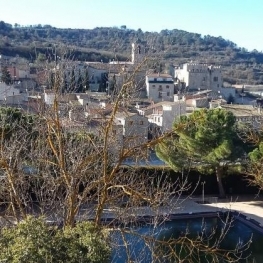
219, 173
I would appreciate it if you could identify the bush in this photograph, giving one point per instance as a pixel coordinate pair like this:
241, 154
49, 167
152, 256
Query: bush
33, 241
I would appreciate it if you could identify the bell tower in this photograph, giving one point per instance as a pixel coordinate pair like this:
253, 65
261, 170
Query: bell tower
138, 52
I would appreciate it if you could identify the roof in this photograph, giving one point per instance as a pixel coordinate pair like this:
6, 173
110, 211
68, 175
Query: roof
158, 75
160, 104
121, 114
242, 110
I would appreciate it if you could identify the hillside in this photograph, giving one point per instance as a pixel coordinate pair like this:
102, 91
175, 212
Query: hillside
107, 43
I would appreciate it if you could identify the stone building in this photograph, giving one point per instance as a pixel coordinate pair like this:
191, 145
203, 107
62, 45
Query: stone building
199, 76
135, 128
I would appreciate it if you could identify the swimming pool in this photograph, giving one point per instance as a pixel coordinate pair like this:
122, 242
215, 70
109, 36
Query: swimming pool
147, 242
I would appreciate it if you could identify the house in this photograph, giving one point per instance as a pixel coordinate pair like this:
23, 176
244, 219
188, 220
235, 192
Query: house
198, 99
98, 76
135, 128
162, 115
160, 87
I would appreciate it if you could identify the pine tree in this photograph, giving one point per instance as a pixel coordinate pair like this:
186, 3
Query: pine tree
203, 140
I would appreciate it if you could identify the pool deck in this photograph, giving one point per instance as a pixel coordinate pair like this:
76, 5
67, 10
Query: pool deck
249, 206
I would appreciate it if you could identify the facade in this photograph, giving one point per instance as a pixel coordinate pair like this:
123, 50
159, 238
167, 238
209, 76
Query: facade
162, 115
199, 76
135, 128
98, 76
160, 87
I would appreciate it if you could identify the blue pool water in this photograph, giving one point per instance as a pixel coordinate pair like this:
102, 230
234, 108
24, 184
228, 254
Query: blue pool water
134, 247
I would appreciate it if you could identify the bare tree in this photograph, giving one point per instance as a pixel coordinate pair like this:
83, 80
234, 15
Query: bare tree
70, 170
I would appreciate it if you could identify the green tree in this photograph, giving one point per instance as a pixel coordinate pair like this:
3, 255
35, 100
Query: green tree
41, 57
202, 140
255, 168
80, 87
12, 119
33, 240
6, 76
86, 80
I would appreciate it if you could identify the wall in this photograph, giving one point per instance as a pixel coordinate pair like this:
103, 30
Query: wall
171, 113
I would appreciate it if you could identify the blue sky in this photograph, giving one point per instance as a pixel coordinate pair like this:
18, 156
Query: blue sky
237, 20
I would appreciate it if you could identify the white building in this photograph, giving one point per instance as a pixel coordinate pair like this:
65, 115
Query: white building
162, 115
160, 87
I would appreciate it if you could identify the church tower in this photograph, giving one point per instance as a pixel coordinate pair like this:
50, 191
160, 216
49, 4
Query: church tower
138, 52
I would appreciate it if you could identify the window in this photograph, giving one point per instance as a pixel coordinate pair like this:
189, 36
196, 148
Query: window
203, 78
215, 78
130, 122
168, 94
160, 88
141, 122
153, 86
158, 119
167, 86
160, 95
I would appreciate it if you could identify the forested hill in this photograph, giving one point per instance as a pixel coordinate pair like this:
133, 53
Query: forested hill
105, 43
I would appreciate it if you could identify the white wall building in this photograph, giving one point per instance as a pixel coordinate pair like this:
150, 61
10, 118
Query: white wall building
164, 113
160, 87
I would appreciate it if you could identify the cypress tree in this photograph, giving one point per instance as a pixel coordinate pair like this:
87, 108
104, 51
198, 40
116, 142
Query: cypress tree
6, 76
